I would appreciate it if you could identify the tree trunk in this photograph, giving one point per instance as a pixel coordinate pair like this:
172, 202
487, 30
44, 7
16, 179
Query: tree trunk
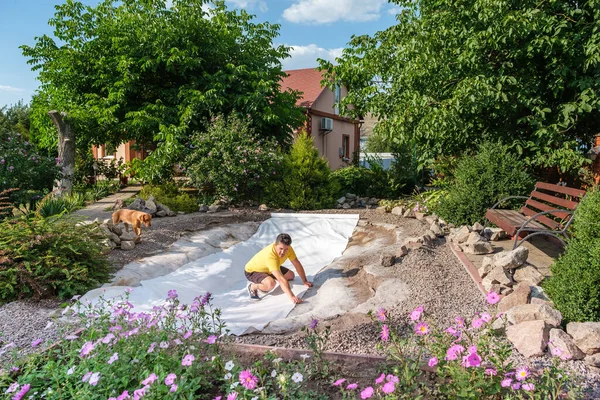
66, 150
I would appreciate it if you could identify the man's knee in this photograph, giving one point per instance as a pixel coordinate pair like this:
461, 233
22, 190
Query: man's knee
268, 284
289, 275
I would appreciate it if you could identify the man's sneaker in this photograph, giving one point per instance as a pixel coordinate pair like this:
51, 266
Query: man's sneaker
253, 293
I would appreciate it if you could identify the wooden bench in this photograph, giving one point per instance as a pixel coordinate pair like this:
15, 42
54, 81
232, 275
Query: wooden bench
547, 211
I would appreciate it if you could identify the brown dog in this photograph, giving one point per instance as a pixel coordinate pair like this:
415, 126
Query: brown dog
133, 218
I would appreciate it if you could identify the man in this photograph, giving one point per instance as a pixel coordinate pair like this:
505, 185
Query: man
264, 269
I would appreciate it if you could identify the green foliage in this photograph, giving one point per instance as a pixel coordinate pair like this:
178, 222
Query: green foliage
171, 196
482, 180
305, 182
155, 72
232, 158
451, 75
356, 180
21, 166
575, 282
41, 257
15, 119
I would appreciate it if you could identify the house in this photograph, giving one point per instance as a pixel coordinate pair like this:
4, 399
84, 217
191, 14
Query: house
335, 137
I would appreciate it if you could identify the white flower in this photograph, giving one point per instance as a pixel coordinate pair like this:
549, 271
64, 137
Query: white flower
304, 356
273, 374
229, 365
227, 376
254, 398
277, 360
297, 377
234, 385
71, 370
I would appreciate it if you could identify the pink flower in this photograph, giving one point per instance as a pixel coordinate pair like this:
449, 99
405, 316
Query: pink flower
529, 387
491, 372
232, 396
422, 328
381, 315
187, 335
211, 339
556, 351
123, 396
172, 294
380, 379
416, 313
248, 380
392, 378
473, 360
94, 378
460, 321
36, 342
433, 361
454, 351
138, 394
367, 393
22, 392
492, 297
150, 379
170, 379
352, 386
187, 360
506, 382
486, 317
389, 387
385, 333
313, 324
339, 382
173, 388
86, 377
113, 358
477, 323
87, 348
522, 373
516, 386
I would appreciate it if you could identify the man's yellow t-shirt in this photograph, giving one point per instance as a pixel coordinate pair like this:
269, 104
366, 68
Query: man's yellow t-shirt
268, 261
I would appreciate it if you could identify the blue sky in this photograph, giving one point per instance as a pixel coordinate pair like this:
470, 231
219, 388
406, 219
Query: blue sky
314, 28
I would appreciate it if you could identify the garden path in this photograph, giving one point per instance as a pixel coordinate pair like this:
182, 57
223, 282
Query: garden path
97, 209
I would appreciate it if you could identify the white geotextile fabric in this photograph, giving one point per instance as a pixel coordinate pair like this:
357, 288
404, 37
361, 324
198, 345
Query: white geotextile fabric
317, 240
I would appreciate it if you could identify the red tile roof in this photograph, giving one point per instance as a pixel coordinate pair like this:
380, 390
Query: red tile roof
307, 81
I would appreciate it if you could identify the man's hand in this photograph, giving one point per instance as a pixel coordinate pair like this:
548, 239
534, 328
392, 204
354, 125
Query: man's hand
296, 300
308, 284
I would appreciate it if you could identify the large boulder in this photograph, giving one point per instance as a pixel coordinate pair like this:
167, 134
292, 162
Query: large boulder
528, 274
530, 338
127, 245
519, 296
561, 340
130, 237
436, 229
486, 267
593, 360
381, 210
496, 276
474, 237
138, 204
151, 206
533, 312
430, 219
398, 211
203, 208
478, 248
511, 259
494, 234
477, 227
586, 336
341, 200
161, 213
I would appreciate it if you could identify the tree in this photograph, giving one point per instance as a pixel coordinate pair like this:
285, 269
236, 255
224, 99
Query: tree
140, 70
15, 119
454, 74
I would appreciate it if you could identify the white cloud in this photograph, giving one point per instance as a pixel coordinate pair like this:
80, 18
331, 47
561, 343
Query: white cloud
262, 5
394, 10
327, 11
306, 56
5, 88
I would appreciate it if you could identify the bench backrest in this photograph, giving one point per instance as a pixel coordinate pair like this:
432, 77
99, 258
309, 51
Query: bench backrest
546, 197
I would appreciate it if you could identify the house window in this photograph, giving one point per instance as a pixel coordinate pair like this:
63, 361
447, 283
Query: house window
346, 146
337, 97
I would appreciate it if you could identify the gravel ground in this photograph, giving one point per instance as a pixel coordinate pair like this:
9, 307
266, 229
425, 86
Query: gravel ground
436, 278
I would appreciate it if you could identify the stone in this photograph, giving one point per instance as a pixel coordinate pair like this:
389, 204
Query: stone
352, 203
387, 260
538, 292
477, 227
161, 213
530, 338
151, 206
127, 245
373, 201
414, 239
486, 266
398, 211
401, 251
409, 213
203, 208
346, 206
430, 219
138, 204
506, 290
350, 196
537, 300
534, 312
494, 234
474, 237
586, 336
564, 342
170, 213
461, 235
528, 274
593, 360
436, 229
108, 245
214, 208
511, 259
498, 275
381, 210
420, 216
130, 237
263, 207
430, 235
519, 296
341, 200
116, 229
478, 248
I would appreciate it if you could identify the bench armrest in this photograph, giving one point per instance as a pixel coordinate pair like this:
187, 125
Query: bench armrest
507, 198
534, 217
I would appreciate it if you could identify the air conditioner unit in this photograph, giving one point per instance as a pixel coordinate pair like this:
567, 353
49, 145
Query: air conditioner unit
326, 124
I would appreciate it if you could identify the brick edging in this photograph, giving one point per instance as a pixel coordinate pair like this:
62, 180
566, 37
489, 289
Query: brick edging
469, 267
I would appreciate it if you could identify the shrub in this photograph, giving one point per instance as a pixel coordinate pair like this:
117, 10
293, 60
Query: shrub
22, 167
480, 181
230, 157
575, 282
171, 196
305, 182
356, 180
41, 257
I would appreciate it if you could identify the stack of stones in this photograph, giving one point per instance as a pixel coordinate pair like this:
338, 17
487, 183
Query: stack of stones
353, 201
151, 206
